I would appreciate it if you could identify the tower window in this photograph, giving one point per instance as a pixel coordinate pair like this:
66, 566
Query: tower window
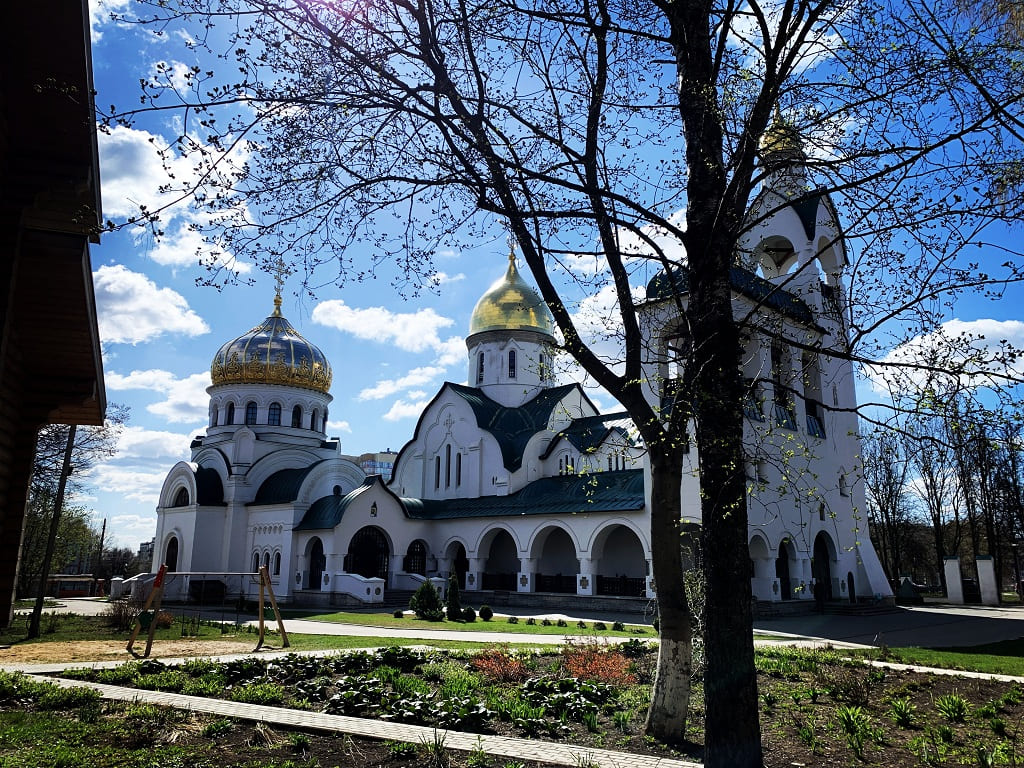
313, 419
542, 367
447, 466
274, 415
458, 470
250, 413
480, 368
213, 415
437, 472
277, 563
297, 417
231, 414
511, 363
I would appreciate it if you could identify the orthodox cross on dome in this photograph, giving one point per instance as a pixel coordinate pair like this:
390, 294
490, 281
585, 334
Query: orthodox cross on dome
281, 273
511, 239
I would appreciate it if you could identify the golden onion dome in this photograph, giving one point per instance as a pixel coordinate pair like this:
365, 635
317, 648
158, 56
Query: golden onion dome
781, 137
272, 353
511, 304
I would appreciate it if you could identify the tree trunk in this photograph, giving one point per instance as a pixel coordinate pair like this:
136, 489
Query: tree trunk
51, 540
670, 696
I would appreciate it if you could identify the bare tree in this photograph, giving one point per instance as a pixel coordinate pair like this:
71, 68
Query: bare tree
886, 473
628, 134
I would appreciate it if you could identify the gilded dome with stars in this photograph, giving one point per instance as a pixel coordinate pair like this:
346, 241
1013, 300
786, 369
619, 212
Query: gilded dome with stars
272, 353
511, 304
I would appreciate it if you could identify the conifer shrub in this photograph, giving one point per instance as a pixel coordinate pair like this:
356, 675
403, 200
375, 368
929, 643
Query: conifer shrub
468, 615
426, 603
486, 614
454, 602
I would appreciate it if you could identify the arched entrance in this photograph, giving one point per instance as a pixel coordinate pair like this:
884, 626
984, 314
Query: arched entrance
621, 565
557, 565
171, 554
502, 564
317, 564
782, 569
416, 558
368, 553
459, 562
821, 563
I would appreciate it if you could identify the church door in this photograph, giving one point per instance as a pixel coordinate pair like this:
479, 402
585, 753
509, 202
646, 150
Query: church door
368, 554
317, 564
821, 564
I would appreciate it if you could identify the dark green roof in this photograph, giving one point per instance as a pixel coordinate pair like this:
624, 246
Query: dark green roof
587, 433
513, 427
743, 281
621, 491
282, 486
209, 488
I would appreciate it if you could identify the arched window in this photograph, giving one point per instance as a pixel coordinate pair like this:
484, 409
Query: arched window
297, 417
277, 563
213, 415
255, 561
274, 415
266, 560
609, 462
323, 428
458, 469
231, 414
511, 363
181, 498
480, 368
171, 554
542, 367
250, 412
844, 488
447, 466
437, 472
313, 420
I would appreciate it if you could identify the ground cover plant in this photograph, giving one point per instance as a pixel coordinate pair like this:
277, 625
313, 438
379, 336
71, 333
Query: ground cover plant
820, 708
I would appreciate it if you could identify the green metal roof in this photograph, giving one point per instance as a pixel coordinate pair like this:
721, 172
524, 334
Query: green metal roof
586, 434
513, 427
621, 491
282, 486
661, 287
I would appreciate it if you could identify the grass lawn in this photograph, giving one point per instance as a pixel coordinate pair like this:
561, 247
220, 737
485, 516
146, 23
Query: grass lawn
1002, 658
497, 624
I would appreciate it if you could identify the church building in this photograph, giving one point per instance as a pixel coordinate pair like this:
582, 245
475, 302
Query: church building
514, 481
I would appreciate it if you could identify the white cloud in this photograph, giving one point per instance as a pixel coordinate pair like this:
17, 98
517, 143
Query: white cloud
132, 309
339, 426
408, 331
131, 483
99, 14
131, 530
983, 350
132, 173
415, 378
186, 401
401, 409
139, 443
443, 278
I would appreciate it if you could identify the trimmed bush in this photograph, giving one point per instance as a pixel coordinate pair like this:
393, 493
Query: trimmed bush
468, 614
454, 602
426, 603
486, 614
399, 614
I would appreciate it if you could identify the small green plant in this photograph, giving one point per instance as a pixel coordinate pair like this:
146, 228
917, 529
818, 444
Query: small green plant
298, 741
618, 626
998, 726
622, 719
855, 725
513, 620
478, 757
399, 614
590, 721
259, 693
426, 603
561, 623
401, 749
805, 731
600, 626
435, 751
468, 615
901, 711
217, 728
953, 707
986, 758
530, 622
581, 624
486, 614
945, 733
769, 700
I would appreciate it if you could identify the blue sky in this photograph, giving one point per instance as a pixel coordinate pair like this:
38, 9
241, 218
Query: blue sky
160, 331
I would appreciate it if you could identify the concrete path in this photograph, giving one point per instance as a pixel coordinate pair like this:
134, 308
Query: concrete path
498, 746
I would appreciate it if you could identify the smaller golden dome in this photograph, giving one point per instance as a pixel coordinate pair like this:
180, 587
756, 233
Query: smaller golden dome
781, 137
511, 304
272, 353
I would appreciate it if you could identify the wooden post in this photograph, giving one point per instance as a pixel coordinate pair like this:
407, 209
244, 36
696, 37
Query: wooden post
157, 595
277, 612
262, 624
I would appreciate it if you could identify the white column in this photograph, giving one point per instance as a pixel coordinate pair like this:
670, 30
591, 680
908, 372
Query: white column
525, 579
474, 576
585, 578
954, 587
987, 580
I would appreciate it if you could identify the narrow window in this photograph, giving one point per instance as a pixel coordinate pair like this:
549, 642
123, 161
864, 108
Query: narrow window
255, 561
480, 368
297, 417
266, 560
447, 466
511, 363
312, 419
277, 563
250, 413
323, 427
274, 415
213, 415
542, 368
609, 462
231, 414
561, 465
458, 469
437, 472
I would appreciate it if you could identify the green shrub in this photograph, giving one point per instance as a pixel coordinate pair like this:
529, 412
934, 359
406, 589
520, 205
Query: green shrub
259, 693
513, 619
399, 614
855, 725
953, 707
618, 626
901, 712
426, 603
454, 602
468, 615
486, 614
